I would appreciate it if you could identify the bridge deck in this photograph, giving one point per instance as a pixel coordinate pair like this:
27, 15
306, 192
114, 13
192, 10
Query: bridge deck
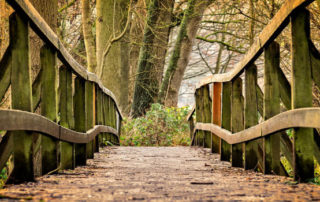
164, 173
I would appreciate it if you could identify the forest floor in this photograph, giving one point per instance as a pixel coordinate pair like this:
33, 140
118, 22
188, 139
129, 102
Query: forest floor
158, 174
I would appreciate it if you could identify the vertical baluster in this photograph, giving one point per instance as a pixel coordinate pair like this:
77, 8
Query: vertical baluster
67, 150
207, 115
98, 115
271, 107
80, 119
199, 115
216, 115
21, 97
50, 145
225, 153
106, 109
302, 93
251, 115
108, 121
237, 123
89, 115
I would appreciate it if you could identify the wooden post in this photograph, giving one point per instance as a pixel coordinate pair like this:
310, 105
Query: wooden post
49, 107
199, 106
271, 107
90, 115
80, 119
237, 123
98, 114
113, 119
21, 97
216, 115
108, 121
302, 93
67, 150
207, 115
251, 116
225, 148
106, 109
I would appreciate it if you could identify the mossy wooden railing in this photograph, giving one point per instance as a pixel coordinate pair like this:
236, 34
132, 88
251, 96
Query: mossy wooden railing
228, 120
78, 114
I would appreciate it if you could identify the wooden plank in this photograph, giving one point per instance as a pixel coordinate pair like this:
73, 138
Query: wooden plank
49, 151
6, 150
302, 93
297, 118
237, 122
36, 91
67, 150
5, 72
315, 63
80, 119
260, 100
271, 107
207, 116
251, 116
21, 97
216, 115
90, 115
198, 115
285, 88
286, 147
225, 148
268, 34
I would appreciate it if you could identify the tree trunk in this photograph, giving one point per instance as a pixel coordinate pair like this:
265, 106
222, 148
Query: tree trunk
113, 65
88, 36
160, 44
180, 57
136, 38
145, 87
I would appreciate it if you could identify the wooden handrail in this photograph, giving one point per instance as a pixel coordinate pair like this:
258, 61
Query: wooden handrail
16, 120
269, 33
303, 117
40, 26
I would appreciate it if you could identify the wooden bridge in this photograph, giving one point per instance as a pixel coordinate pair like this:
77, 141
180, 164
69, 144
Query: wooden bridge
74, 123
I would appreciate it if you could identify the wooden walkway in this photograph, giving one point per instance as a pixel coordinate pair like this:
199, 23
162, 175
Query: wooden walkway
161, 173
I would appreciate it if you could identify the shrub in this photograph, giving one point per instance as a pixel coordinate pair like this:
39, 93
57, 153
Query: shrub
161, 126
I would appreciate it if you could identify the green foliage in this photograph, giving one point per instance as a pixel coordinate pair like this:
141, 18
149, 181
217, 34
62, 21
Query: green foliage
160, 126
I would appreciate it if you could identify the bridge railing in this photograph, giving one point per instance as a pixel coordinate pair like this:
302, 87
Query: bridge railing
227, 122
78, 113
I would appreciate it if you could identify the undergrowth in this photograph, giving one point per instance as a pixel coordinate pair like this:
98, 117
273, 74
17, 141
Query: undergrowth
161, 126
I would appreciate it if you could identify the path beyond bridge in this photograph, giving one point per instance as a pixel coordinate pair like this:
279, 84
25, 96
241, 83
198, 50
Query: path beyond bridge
161, 173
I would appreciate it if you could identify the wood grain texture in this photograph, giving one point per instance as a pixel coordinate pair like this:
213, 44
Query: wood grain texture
5, 72
216, 115
297, 118
16, 120
225, 152
268, 34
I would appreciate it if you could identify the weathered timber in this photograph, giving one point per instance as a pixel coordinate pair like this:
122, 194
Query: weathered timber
284, 88
198, 115
302, 93
106, 119
286, 147
80, 119
260, 100
237, 122
216, 115
268, 34
99, 115
21, 96
40, 26
225, 148
36, 91
315, 63
49, 150
271, 107
6, 150
297, 118
207, 116
5, 72
251, 116
67, 149
17, 120
89, 115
